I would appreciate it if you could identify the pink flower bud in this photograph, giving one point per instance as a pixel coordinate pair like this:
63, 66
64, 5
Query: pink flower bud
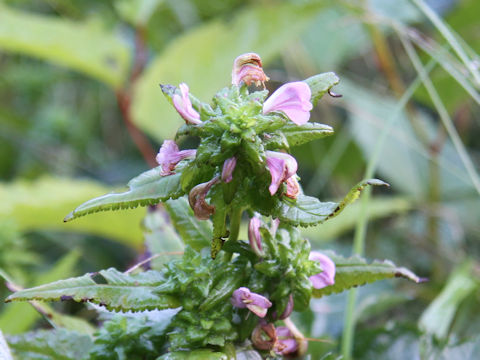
228, 167
184, 106
293, 99
327, 276
244, 298
281, 166
288, 310
196, 198
247, 68
254, 235
169, 156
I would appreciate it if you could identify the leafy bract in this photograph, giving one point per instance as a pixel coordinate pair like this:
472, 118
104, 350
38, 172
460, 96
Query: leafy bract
301, 134
146, 189
320, 84
66, 42
119, 292
356, 271
204, 64
196, 233
308, 211
50, 344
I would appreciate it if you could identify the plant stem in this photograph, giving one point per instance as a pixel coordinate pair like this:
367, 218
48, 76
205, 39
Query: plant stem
361, 228
235, 221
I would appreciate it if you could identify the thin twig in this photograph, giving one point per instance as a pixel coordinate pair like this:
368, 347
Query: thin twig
143, 262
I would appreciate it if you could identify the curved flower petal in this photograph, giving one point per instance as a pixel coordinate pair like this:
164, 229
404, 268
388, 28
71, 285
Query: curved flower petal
293, 99
327, 276
286, 343
281, 166
196, 199
254, 235
169, 156
184, 106
228, 168
256, 303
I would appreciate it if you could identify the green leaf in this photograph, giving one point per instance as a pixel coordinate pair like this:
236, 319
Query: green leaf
308, 211
51, 345
202, 354
205, 65
41, 204
320, 84
119, 292
137, 12
301, 134
82, 47
146, 189
439, 315
356, 271
196, 233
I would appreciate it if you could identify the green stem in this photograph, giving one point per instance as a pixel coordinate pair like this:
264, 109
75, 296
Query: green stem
235, 221
361, 228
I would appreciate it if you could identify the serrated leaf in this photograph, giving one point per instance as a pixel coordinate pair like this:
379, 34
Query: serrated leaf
79, 46
202, 354
308, 211
50, 344
320, 84
146, 189
301, 134
120, 292
356, 271
196, 233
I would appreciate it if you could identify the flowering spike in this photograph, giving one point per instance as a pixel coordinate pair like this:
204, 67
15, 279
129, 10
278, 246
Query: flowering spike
196, 198
282, 166
169, 156
228, 168
184, 106
247, 68
244, 298
293, 99
327, 276
254, 235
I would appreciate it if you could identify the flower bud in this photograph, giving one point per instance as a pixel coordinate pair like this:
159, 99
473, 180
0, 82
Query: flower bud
264, 336
184, 106
228, 168
196, 198
288, 310
286, 343
244, 298
293, 99
327, 276
293, 187
169, 156
247, 68
254, 237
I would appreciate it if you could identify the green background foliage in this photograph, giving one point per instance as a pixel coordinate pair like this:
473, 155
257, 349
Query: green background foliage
65, 138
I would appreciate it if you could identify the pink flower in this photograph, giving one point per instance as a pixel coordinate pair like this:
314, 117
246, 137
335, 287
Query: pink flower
228, 167
327, 276
286, 343
169, 156
293, 99
254, 235
247, 68
293, 187
184, 106
282, 166
244, 298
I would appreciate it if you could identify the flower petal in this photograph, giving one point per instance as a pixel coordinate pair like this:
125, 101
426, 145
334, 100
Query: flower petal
169, 156
184, 106
293, 99
254, 237
281, 166
228, 168
327, 276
